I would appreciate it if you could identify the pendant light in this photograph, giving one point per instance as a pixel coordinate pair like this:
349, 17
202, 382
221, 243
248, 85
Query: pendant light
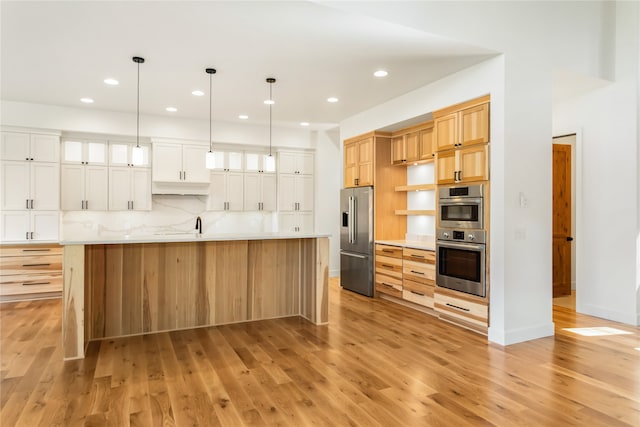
270, 161
210, 159
137, 155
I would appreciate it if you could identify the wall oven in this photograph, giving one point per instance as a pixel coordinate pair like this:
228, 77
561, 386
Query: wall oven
460, 260
461, 207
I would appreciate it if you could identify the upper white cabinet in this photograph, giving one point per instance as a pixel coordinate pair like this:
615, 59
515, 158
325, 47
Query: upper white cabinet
129, 188
121, 154
259, 163
227, 161
299, 163
179, 163
296, 193
30, 185
81, 152
30, 147
22, 226
259, 192
225, 191
84, 187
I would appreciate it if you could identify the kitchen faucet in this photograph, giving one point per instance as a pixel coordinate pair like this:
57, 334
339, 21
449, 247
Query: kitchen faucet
199, 224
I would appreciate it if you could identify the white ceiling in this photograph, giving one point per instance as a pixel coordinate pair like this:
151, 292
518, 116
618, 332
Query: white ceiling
58, 52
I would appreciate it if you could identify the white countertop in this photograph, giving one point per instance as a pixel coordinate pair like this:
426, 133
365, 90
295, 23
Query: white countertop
429, 245
188, 237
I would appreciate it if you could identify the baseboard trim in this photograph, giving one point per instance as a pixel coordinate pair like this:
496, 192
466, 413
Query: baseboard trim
334, 273
515, 336
606, 313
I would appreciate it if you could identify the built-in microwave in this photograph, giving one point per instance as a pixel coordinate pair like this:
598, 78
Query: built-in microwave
461, 207
460, 260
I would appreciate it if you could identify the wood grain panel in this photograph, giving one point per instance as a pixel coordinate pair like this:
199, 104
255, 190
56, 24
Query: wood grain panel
73, 302
231, 301
388, 225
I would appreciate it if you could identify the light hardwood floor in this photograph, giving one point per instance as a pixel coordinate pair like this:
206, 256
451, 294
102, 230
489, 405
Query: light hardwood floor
377, 363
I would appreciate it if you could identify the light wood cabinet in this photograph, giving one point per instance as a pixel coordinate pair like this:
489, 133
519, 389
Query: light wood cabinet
30, 271
413, 145
426, 140
468, 125
463, 165
419, 276
388, 266
462, 309
359, 162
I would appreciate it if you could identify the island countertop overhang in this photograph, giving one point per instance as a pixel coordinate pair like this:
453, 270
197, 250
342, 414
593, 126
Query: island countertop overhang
172, 237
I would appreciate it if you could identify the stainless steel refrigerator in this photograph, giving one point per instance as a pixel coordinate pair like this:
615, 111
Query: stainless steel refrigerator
356, 240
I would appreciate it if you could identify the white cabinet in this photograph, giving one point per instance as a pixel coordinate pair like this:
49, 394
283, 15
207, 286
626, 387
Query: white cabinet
227, 161
121, 154
30, 147
129, 189
259, 162
298, 163
296, 222
179, 163
296, 193
259, 192
84, 187
17, 226
30, 185
81, 152
226, 191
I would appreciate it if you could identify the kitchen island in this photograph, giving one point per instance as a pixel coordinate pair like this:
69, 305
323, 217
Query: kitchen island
131, 285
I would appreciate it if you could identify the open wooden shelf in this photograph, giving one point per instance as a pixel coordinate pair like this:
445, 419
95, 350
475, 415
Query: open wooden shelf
416, 212
418, 187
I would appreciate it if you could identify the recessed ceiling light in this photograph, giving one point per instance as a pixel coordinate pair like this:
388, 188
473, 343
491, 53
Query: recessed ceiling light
269, 101
112, 82
381, 73
171, 109
243, 117
197, 93
332, 99
87, 100
304, 123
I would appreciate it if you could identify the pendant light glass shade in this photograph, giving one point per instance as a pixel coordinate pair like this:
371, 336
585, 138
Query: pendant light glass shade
210, 157
137, 154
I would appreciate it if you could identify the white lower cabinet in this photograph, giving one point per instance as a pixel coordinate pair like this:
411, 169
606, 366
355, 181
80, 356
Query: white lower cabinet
296, 222
259, 192
84, 187
226, 191
18, 226
129, 189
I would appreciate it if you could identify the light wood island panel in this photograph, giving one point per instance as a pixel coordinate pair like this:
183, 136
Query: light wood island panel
139, 288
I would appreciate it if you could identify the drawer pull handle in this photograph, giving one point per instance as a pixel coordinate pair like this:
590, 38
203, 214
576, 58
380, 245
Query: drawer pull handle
36, 250
417, 293
387, 265
459, 308
417, 256
388, 251
388, 285
36, 283
417, 272
36, 265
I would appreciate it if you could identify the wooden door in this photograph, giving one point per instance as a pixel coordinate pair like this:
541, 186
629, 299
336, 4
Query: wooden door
473, 164
412, 147
398, 150
561, 220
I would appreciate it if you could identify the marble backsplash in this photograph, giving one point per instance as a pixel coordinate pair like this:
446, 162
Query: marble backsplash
169, 214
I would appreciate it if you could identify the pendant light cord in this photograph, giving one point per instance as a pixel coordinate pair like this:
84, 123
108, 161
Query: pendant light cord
210, 112
270, 105
138, 110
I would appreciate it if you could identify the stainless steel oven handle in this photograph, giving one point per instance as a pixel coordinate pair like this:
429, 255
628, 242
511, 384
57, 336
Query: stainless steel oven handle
353, 255
460, 245
460, 201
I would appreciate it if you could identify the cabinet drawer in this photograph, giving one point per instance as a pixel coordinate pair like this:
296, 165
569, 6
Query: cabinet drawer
419, 271
419, 255
390, 251
388, 265
389, 285
418, 293
32, 284
31, 264
27, 250
461, 309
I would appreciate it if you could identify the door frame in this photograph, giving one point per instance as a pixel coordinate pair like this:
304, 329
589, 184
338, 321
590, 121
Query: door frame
576, 203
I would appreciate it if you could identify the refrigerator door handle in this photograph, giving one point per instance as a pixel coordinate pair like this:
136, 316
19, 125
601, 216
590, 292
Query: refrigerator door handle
353, 255
354, 221
350, 219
